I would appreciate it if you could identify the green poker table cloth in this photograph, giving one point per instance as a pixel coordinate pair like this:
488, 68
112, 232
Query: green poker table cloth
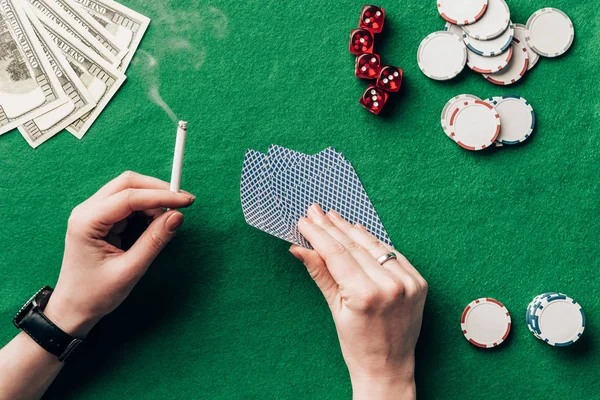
226, 312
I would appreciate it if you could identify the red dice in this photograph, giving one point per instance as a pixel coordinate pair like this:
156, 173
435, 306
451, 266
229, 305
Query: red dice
367, 66
373, 99
361, 41
372, 18
390, 79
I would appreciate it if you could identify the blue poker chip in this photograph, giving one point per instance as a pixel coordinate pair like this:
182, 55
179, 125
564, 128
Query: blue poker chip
555, 318
517, 118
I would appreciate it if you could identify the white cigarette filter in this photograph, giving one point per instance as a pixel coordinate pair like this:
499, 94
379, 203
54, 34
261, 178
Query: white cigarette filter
178, 157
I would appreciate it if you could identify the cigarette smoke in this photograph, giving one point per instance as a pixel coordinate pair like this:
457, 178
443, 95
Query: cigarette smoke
150, 67
175, 27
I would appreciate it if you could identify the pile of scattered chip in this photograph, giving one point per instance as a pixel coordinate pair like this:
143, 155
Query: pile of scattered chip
485, 322
476, 124
555, 318
368, 64
480, 34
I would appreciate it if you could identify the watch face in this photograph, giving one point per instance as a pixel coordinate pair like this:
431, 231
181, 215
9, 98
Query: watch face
34, 301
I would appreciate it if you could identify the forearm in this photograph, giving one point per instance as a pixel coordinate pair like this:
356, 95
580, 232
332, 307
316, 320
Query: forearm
26, 369
392, 389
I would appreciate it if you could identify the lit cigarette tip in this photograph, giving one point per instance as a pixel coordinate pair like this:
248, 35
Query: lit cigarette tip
183, 125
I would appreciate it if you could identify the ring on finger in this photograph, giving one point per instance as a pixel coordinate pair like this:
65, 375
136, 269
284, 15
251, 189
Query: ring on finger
387, 257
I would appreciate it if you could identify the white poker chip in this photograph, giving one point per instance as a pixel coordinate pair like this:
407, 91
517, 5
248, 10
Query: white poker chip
519, 37
485, 323
515, 70
442, 55
492, 47
453, 28
474, 124
560, 321
462, 12
550, 32
517, 116
488, 65
445, 117
492, 24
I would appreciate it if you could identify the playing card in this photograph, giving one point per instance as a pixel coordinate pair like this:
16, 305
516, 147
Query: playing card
338, 188
277, 189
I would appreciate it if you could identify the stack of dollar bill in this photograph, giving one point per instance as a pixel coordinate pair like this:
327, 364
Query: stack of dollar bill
61, 62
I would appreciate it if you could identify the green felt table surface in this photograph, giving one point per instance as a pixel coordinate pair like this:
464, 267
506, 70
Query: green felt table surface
226, 312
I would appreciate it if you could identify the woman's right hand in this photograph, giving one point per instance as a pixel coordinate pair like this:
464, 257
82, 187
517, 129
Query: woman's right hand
377, 309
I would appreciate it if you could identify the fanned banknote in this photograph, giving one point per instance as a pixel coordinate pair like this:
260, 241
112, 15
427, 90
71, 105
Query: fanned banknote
51, 12
100, 78
126, 25
42, 128
61, 62
28, 85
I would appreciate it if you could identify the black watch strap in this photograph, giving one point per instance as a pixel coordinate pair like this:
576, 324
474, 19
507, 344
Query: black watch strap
32, 321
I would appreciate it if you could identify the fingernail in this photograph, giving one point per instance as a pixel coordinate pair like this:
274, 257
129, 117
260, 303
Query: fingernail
318, 209
362, 228
334, 214
298, 256
303, 221
174, 222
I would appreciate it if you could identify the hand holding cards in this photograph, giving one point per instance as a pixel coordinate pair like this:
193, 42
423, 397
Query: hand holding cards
277, 189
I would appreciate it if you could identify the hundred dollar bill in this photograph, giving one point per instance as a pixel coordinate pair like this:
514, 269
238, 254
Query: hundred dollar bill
125, 24
88, 23
100, 78
28, 86
42, 128
53, 13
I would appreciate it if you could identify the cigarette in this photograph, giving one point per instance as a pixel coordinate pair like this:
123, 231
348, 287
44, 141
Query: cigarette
178, 157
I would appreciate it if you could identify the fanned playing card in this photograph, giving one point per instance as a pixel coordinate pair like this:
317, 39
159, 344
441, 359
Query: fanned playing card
277, 189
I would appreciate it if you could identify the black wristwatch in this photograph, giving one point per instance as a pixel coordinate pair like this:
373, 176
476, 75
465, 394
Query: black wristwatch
32, 321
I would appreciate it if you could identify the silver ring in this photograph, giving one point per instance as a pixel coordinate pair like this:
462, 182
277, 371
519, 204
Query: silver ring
385, 258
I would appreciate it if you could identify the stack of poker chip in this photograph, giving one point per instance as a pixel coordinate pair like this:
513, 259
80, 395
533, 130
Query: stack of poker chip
555, 318
481, 35
476, 124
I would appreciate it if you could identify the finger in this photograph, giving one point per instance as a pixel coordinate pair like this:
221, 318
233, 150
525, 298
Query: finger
120, 205
318, 271
401, 260
152, 241
154, 213
343, 268
129, 179
370, 265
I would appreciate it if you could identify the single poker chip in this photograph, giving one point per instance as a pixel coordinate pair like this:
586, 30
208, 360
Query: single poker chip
550, 32
453, 28
450, 105
492, 24
492, 47
519, 37
442, 55
485, 323
515, 70
474, 124
462, 12
488, 65
518, 119
560, 320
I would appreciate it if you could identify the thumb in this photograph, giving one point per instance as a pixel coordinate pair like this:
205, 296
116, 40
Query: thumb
317, 270
153, 240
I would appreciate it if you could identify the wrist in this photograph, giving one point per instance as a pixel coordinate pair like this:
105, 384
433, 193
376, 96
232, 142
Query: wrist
384, 388
65, 316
